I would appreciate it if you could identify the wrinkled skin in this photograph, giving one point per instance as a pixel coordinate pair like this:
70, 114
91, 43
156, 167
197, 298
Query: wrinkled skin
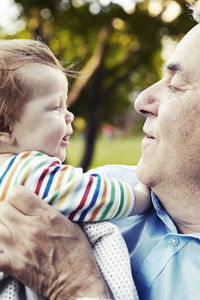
46, 251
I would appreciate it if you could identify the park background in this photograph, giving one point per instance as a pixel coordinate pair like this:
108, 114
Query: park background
119, 47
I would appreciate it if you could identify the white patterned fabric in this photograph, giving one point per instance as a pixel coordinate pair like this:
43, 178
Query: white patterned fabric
9, 288
111, 255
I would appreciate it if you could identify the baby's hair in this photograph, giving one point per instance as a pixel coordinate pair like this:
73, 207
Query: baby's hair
15, 88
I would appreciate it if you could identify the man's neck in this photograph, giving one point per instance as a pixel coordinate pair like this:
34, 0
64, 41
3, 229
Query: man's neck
183, 206
187, 228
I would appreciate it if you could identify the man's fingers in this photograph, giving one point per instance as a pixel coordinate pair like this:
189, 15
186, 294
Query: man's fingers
10, 218
25, 201
5, 239
25, 208
5, 265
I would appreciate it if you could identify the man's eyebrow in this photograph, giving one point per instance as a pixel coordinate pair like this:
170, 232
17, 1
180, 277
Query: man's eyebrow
174, 67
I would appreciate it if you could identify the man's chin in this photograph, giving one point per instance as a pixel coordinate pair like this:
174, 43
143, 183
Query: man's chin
140, 171
144, 173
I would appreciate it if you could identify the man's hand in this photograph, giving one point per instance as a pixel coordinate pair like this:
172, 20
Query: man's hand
46, 251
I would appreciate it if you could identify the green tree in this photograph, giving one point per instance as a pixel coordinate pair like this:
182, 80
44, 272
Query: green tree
117, 53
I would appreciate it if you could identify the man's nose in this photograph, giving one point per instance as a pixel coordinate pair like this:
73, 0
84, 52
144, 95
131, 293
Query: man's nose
147, 103
69, 117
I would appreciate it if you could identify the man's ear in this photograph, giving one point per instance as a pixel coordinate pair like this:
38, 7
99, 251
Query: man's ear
6, 131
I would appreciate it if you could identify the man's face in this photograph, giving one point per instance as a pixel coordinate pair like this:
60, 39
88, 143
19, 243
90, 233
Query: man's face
171, 148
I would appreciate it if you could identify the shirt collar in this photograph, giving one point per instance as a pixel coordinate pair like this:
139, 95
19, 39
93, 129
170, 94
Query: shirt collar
164, 216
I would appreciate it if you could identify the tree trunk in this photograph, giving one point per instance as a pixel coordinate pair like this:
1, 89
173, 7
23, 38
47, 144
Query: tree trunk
93, 123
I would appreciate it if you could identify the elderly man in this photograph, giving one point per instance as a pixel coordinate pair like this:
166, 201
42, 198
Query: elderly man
53, 256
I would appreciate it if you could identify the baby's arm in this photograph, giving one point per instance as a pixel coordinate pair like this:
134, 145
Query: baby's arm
128, 174
80, 196
142, 199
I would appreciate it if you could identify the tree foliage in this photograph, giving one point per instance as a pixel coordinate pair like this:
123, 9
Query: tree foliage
117, 52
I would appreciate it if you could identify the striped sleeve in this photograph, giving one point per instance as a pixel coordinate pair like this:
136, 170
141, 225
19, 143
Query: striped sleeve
80, 196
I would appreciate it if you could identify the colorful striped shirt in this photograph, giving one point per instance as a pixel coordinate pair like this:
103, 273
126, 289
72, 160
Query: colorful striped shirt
80, 196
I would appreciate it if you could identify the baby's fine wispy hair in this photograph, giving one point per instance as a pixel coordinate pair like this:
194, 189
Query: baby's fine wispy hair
16, 85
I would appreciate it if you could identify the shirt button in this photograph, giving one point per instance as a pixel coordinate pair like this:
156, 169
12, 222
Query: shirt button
174, 241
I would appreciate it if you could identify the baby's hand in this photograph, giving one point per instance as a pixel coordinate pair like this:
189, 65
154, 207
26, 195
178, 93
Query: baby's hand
142, 199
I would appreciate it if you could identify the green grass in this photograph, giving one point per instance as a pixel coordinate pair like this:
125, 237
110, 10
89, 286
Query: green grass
119, 150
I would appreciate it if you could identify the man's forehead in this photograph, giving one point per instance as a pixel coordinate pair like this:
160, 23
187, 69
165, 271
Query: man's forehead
186, 55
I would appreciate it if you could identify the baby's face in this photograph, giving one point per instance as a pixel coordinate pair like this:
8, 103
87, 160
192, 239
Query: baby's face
45, 122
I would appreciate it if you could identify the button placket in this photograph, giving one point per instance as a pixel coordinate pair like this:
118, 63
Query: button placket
174, 241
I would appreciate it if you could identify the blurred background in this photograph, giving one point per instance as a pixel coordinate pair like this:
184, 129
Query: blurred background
119, 47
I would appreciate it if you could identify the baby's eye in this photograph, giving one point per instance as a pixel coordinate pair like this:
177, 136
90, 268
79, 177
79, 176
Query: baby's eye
57, 107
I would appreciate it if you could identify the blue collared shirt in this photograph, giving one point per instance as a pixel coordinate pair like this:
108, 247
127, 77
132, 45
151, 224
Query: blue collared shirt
165, 264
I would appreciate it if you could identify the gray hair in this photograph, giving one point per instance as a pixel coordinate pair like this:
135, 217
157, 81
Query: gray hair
195, 12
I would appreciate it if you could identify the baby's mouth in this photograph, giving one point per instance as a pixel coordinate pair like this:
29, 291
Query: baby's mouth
66, 138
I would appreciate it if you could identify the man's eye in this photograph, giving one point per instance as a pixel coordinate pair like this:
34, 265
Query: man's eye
173, 88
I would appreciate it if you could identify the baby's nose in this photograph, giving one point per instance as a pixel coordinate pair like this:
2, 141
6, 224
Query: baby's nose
69, 117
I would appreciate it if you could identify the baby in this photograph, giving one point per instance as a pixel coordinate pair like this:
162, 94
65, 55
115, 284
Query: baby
35, 127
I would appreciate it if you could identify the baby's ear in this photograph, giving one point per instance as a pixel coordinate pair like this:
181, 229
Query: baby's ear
6, 132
